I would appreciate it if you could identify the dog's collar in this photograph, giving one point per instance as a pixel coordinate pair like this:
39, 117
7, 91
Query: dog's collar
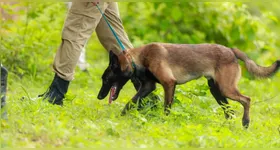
137, 72
133, 64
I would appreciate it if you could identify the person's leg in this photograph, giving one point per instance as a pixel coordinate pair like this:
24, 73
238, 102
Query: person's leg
81, 21
82, 63
69, 4
3, 86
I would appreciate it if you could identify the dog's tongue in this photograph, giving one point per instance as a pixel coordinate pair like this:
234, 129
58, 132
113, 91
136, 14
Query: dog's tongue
112, 93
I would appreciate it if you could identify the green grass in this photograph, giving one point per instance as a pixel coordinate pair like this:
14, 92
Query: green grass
196, 119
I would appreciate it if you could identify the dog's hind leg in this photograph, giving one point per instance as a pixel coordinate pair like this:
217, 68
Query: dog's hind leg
222, 101
234, 94
227, 78
145, 89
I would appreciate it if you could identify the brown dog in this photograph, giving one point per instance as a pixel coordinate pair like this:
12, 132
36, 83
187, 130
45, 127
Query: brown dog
172, 64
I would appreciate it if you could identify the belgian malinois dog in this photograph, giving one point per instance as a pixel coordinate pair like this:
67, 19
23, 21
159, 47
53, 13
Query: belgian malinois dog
171, 64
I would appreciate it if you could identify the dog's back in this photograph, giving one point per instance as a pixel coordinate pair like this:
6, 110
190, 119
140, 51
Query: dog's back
187, 61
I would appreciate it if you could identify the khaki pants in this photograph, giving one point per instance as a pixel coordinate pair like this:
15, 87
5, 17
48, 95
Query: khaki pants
82, 19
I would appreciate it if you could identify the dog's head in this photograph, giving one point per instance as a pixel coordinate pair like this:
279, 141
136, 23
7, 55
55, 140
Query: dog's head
113, 78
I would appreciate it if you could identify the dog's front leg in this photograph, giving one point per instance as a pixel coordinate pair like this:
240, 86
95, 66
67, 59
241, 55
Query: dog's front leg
145, 89
166, 78
168, 97
169, 90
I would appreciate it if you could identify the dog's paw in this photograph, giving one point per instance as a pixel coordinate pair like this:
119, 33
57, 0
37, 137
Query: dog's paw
245, 123
123, 112
166, 112
230, 114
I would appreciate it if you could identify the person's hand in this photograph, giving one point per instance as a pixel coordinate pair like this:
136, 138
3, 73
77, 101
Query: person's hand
96, 2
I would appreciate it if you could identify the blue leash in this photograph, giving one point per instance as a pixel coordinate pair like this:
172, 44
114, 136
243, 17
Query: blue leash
116, 36
111, 28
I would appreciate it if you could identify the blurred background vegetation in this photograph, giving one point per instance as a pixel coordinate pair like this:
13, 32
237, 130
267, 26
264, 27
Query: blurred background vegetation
29, 42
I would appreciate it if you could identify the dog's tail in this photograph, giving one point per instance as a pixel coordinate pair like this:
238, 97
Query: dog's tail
255, 69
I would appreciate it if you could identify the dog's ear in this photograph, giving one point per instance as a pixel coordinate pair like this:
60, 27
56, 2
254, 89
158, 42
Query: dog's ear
113, 59
111, 54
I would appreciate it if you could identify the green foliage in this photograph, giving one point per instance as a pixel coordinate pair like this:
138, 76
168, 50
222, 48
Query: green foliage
28, 46
229, 24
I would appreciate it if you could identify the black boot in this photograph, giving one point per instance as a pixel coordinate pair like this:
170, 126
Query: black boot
4, 76
56, 91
